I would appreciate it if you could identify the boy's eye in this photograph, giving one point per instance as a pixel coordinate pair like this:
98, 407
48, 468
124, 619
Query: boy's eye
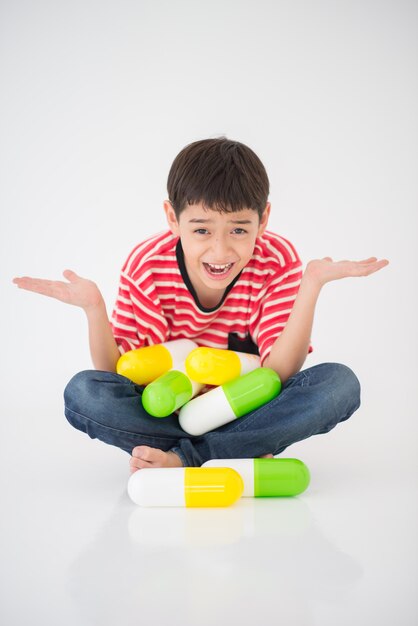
204, 231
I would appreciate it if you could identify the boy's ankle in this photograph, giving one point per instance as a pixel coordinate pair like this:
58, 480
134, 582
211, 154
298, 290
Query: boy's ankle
177, 462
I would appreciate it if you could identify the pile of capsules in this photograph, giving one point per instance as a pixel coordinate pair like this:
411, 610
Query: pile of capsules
172, 374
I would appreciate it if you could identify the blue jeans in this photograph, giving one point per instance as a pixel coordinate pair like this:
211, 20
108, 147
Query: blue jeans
108, 407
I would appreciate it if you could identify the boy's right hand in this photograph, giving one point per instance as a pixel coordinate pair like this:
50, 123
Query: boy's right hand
78, 291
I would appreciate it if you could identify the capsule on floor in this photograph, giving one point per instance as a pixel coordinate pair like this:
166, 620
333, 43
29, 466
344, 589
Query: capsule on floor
212, 366
185, 486
268, 477
144, 365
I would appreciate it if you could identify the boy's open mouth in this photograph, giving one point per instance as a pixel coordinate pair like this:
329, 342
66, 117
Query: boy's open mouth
218, 271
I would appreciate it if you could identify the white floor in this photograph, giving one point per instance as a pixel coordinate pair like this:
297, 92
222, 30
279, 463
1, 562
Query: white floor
76, 550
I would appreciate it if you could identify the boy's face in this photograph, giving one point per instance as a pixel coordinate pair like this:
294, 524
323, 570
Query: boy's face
216, 246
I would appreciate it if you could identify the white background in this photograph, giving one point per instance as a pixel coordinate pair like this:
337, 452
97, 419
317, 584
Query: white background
97, 100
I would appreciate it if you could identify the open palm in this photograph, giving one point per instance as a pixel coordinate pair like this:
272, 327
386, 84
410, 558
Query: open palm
77, 291
324, 270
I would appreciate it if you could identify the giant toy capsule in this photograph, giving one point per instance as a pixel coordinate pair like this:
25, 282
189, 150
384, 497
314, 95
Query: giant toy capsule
145, 364
268, 477
185, 486
212, 366
233, 399
168, 393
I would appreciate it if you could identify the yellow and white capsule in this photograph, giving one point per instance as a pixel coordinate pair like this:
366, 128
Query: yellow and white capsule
144, 365
185, 486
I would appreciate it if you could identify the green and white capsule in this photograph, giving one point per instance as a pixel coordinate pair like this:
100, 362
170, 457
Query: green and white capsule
268, 477
231, 400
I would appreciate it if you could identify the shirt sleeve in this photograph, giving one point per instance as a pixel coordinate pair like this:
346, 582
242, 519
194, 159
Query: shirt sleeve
273, 309
137, 319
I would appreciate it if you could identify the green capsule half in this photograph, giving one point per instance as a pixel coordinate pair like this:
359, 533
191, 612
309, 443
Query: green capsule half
252, 390
167, 393
268, 477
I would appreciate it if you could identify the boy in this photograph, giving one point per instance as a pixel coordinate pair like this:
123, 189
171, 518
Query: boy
220, 278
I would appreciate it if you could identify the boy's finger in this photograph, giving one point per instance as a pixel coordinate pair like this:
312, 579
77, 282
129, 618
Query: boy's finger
26, 282
373, 267
70, 275
369, 260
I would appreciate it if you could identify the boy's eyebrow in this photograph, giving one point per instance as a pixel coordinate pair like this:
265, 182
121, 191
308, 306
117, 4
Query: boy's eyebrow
198, 220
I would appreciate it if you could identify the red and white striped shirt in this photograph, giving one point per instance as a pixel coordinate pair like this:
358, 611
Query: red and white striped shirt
156, 301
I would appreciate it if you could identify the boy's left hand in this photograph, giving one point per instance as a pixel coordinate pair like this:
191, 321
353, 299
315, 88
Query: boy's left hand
324, 270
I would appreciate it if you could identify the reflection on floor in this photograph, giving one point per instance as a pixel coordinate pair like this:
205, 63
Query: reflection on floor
76, 550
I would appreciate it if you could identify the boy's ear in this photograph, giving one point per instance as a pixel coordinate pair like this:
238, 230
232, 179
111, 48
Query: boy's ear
264, 219
171, 218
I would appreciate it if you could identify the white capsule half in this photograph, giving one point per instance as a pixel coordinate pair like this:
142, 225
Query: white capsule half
244, 469
249, 362
206, 412
179, 349
157, 487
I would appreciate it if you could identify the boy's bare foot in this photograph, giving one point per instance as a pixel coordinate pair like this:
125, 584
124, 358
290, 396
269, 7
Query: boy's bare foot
145, 456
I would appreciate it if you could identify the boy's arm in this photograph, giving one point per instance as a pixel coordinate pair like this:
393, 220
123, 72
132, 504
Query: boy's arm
103, 347
290, 349
86, 295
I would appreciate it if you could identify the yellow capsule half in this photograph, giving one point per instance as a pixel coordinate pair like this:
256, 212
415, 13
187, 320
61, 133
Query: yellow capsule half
144, 365
221, 488
212, 366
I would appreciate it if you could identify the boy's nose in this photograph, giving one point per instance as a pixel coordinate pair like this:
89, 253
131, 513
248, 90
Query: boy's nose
220, 251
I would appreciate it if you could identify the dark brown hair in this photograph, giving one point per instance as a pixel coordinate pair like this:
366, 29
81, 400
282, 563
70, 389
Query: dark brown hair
222, 174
